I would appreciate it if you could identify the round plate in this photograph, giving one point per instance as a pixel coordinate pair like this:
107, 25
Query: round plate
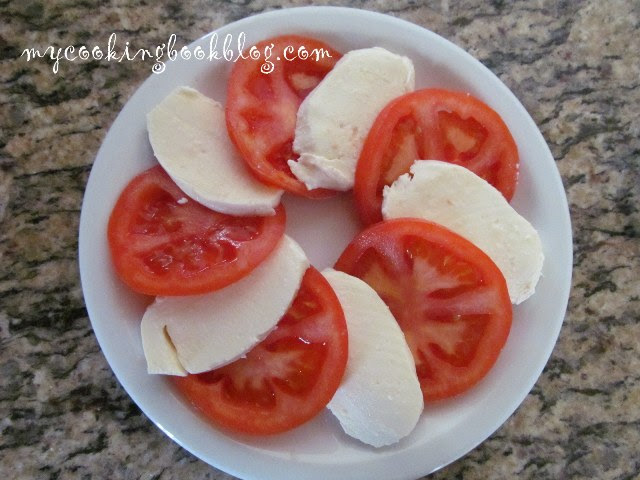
319, 449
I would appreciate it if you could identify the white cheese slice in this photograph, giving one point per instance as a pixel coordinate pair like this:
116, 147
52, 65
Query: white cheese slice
201, 332
458, 199
379, 401
335, 118
189, 138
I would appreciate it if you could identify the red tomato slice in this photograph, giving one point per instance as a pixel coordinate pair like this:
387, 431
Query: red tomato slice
261, 107
287, 378
433, 124
448, 297
161, 245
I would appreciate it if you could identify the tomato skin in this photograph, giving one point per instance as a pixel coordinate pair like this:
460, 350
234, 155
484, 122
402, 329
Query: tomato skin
429, 124
261, 108
162, 243
449, 298
285, 380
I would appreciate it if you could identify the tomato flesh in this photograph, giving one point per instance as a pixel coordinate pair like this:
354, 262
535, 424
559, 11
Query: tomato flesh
286, 379
448, 297
262, 107
433, 124
163, 243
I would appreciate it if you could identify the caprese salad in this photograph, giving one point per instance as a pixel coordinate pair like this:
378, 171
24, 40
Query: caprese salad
418, 306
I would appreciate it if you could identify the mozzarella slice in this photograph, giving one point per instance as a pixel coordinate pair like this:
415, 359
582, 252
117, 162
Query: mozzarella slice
201, 332
458, 199
380, 400
334, 119
189, 137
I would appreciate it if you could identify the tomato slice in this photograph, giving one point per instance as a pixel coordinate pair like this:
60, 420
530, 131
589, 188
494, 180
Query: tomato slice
165, 244
449, 298
287, 378
433, 124
261, 107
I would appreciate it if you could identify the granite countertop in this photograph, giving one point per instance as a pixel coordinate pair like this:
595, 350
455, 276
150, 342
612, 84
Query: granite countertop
574, 66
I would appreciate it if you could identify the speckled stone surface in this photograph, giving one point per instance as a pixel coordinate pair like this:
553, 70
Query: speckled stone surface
575, 67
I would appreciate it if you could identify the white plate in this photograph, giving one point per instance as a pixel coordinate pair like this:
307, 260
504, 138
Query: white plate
319, 449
